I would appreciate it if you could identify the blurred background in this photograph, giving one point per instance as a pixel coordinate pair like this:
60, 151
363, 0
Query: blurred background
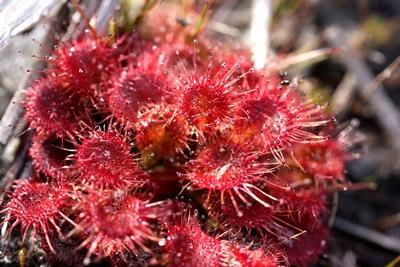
347, 51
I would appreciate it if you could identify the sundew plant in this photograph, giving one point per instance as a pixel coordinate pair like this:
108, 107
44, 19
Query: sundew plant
162, 146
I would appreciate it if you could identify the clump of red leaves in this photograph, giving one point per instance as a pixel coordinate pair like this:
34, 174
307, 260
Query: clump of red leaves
188, 245
114, 222
251, 155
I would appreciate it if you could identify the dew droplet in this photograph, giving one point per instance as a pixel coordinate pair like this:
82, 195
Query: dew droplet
162, 242
86, 261
154, 262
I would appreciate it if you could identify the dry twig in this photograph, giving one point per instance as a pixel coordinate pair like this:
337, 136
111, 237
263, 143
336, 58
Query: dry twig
381, 77
389, 221
14, 110
104, 14
382, 106
302, 58
15, 169
344, 94
259, 31
382, 240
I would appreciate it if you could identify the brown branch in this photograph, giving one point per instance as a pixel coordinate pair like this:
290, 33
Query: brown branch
381, 77
344, 94
388, 222
84, 17
384, 110
14, 109
372, 236
16, 168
